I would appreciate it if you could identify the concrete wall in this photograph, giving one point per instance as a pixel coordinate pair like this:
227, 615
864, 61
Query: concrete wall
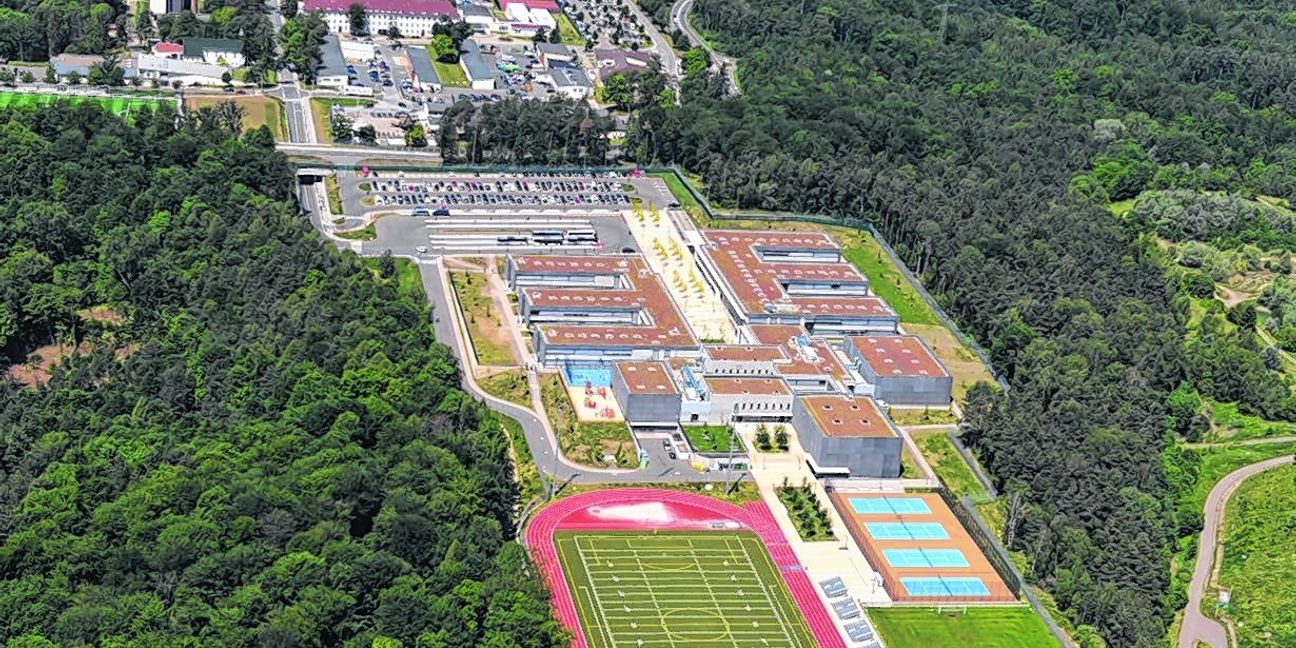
862, 456
904, 390
645, 408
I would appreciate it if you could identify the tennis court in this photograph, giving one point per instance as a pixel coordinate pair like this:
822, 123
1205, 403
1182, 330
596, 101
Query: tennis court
890, 506
921, 549
907, 530
123, 106
938, 586
934, 558
710, 589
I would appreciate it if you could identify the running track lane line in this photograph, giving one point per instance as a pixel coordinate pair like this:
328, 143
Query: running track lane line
753, 516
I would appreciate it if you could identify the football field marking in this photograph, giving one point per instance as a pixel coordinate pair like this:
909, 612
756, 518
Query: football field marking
675, 590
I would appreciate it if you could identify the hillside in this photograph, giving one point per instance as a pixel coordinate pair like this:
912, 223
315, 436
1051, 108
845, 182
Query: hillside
283, 458
986, 141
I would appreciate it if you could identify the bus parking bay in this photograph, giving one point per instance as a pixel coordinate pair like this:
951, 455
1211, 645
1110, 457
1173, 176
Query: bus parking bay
503, 231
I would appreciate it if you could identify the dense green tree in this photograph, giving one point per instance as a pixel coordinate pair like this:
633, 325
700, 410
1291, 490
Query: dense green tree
357, 19
258, 440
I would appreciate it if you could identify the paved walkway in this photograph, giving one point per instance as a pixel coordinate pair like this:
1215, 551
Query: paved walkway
1197, 627
448, 326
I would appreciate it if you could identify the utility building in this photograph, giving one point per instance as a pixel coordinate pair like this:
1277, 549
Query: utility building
902, 370
847, 436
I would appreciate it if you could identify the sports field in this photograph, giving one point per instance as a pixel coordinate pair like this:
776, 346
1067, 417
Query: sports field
118, 105
1001, 627
700, 589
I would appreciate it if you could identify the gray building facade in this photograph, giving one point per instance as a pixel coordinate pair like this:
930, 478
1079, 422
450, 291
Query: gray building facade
907, 374
876, 456
646, 399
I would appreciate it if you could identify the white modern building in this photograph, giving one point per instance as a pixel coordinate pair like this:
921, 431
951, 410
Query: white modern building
185, 71
414, 18
225, 52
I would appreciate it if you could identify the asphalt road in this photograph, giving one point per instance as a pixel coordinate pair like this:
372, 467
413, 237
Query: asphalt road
1197, 627
539, 436
720, 62
403, 234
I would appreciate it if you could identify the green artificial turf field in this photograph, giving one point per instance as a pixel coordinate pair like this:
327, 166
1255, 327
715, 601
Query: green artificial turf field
1001, 627
703, 590
118, 105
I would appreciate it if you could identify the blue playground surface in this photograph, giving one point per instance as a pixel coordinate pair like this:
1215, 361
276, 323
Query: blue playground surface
588, 376
920, 558
907, 530
945, 586
889, 506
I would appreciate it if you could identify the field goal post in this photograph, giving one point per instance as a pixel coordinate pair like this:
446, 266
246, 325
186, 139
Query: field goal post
951, 609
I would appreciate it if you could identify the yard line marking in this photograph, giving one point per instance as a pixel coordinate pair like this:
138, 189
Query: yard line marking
603, 628
661, 616
778, 613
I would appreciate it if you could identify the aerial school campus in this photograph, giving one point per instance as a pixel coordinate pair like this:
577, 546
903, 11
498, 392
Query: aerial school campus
712, 413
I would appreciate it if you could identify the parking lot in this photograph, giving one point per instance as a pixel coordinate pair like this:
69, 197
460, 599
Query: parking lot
481, 213
501, 231
606, 23
517, 192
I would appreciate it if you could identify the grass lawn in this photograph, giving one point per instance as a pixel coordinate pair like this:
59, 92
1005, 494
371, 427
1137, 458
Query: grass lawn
486, 330
884, 278
528, 475
1228, 424
116, 105
1214, 463
1001, 627
334, 194
966, 368
567, 31
708, 589
1260, 559
258, 111
452, 75
320, 107
949, 465
711, 438
682, 196
271, 77
367, 233
586, 443
510, 385
922, 416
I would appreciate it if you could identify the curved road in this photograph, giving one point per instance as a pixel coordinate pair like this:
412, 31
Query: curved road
722, 63
1198, 627
540, 437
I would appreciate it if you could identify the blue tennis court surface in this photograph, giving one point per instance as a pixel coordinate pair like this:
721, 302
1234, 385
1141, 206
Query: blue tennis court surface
890, 506
588, 376
945, 586
925, 557
907, 530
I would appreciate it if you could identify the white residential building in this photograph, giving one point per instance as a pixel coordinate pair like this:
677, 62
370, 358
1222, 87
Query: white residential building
414, 18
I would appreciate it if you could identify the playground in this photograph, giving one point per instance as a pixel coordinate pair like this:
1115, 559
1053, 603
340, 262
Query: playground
646, 567
590, 391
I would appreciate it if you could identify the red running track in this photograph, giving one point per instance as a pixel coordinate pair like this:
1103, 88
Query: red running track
629, 509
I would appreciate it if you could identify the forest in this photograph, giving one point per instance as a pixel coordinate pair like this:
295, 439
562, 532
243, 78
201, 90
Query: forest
253, 439
991, 144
